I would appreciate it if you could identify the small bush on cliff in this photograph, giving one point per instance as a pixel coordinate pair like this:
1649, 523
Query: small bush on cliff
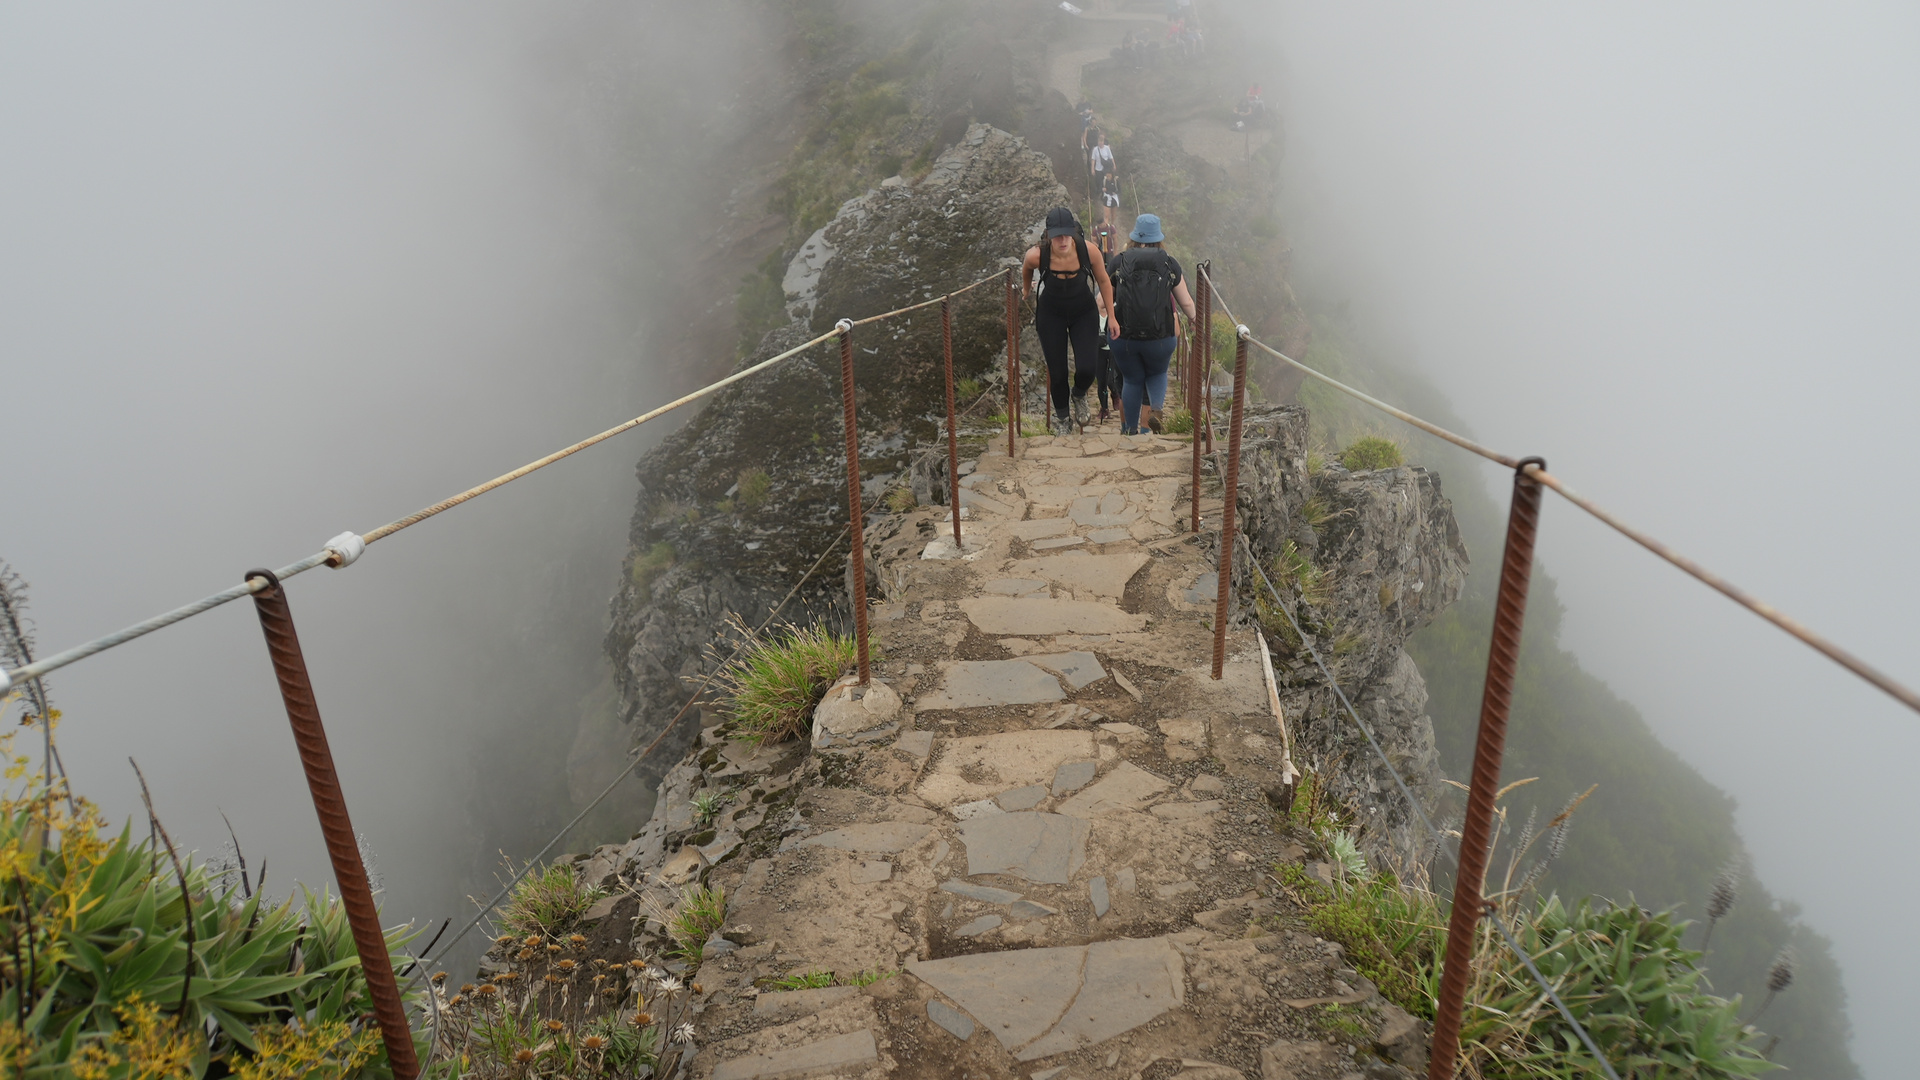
776, 684
1372, 452
755, 486
548, 901
647, 568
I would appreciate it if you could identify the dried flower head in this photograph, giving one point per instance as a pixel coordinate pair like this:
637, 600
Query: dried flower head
506, 976
697, 990
439, 978
642, 1019
556, 1026
683, 1033
505, 939
552, 980
456, 1001
487, 990
532, 939
1780, 972
523, 1055
1723, 895
466, 988
593, 1042
566, 965
668, 984
578, 940
552, 949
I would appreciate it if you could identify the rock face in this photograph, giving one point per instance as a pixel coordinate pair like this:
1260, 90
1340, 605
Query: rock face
737, 505
1361, 560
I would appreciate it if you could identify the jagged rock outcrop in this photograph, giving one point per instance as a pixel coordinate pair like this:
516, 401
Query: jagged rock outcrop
1361, 560
735, 507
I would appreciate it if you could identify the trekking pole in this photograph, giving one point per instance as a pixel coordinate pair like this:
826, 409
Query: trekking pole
343, 846
854, 509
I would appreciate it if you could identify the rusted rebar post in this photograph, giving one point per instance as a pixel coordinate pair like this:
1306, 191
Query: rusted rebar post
1206, 358
1230, 504
1503, 659
343, 845
953, 435
1203, 306
1013, 361
855, 525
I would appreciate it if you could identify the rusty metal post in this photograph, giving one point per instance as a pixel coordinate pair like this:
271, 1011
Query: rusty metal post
1230, 500
1203, 306
1013, 363
953, 435
343, 846
854, 510
1503, 658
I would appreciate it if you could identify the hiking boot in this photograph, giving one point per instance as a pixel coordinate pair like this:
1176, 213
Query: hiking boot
1153, 422
1080, 410
1062, 425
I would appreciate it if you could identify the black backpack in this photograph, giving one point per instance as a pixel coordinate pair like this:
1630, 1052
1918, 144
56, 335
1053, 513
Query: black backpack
1143, 293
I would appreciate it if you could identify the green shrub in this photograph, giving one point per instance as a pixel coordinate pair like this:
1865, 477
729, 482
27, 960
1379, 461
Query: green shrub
548, 901
102, 935
968, 391
1177, 422
1372, 452
900, 500
657, 560
755, 486
700, 915
776, 684
810, 980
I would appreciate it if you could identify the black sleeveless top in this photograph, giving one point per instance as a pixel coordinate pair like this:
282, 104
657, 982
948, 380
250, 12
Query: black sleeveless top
1066, 294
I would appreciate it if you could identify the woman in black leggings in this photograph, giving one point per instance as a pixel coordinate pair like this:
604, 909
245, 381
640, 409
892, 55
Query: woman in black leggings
1068, 309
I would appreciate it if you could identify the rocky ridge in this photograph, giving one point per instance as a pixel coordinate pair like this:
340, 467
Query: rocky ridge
1044, 822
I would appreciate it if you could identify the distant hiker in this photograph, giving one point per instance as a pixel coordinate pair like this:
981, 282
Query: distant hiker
1101, 159
1147, 283
1086, 126
1109, 201
1107, 238
1072, 290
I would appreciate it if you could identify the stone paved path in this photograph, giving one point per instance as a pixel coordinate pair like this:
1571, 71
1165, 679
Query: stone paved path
1045, 824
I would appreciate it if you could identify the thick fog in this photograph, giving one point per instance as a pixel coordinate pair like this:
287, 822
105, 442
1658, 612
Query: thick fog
268, 273
1675, 249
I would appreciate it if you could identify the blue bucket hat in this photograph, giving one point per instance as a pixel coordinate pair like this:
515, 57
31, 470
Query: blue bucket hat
1146, 230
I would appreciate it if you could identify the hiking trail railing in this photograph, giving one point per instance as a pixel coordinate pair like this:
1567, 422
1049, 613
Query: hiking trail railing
267, 587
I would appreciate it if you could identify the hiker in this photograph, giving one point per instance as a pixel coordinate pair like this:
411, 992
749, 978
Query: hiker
1109, 201
1147, 283
1101, 161
1107, 238
1073, 291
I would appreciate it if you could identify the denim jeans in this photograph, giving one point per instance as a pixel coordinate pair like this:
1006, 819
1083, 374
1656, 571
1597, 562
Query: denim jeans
1143, 374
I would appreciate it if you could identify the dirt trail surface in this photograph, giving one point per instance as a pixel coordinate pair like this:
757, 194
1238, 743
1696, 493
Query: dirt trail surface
1044, 823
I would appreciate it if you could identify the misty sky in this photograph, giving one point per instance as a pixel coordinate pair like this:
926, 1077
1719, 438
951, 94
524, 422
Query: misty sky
1675, 249
271, 273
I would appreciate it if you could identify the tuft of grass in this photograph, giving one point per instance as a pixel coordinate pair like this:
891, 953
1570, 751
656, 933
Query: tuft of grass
1315, 462
967, 391
755, 486
810, 980
868, 977
900, 500
701, 913
1372, 452
647, 568
776, 684
1292, 567
707, 806
548, 901
1177, 422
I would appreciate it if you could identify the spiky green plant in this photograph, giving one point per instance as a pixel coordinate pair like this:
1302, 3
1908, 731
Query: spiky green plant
754, 487
549, 901
808, 980
701, 913
774, 685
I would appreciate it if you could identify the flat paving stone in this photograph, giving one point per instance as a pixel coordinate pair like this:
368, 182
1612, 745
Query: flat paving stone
791, 1003
1124, 788
884, 837
1104, 512
1039, 528
1043, 848
1015, 587
1073, 776
986, 894
979, 926
958, 1024
1023, 798
1011, 508
980, 684
917, 743
1098, 575
1030, 909
1109, 536
1080, 669
1176, 888
1058, 542
838, 1052
1040, 1002
1034, 618
982, 766
1097, 893
872, 871
1125, 881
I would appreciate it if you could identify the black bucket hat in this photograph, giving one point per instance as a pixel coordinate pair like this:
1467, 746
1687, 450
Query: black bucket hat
1061, 222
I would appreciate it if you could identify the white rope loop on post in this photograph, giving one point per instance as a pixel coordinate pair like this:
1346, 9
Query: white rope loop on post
844, 326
